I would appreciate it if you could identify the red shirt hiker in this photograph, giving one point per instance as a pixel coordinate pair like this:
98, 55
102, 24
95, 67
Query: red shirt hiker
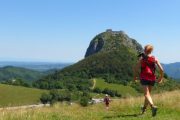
147, 64
107, 101
148, 67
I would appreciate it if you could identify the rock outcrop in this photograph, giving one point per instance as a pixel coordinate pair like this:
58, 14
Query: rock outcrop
112, 40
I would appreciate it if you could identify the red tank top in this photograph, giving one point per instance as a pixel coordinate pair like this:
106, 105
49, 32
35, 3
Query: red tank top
148, 67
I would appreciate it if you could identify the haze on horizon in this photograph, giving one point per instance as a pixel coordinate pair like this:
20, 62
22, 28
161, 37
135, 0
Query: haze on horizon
60, 31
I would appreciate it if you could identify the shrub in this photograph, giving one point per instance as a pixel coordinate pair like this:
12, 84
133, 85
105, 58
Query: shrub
17, 82
117, 94
45, 98
97, 90
84, 101
112, 93
55, 96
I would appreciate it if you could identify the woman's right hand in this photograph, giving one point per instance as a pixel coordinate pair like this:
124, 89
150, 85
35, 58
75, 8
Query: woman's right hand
135, 79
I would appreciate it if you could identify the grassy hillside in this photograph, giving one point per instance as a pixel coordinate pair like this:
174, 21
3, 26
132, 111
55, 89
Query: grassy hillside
123, 90
112, 66
10, 72
115, 66
123, 109
15, 95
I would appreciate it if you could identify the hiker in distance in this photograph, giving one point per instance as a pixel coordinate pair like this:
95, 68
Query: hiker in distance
147, 66
107, 101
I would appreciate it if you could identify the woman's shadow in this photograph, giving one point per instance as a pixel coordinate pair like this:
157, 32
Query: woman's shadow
123, 116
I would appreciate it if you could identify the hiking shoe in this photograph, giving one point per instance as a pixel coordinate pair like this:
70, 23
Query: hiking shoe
154, 111
143, 109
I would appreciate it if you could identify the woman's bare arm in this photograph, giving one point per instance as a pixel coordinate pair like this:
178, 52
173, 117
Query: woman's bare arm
161, 71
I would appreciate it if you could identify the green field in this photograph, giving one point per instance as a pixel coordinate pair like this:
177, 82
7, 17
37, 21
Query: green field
16, 95
122, 109
123, 90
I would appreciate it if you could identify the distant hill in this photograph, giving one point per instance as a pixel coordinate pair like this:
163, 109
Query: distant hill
173, 70
10, 72
37, 66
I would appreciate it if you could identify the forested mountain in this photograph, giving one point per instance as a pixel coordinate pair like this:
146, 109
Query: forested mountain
173, 70
111, 56
10, 73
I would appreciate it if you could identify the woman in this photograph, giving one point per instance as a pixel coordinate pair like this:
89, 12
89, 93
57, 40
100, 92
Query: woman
147, 63
107, 101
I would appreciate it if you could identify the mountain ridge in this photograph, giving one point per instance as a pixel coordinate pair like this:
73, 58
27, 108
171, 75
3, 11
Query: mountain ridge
11, 72
172, 69
37, 66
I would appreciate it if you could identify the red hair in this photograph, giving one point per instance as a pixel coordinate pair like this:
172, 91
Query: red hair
148, 49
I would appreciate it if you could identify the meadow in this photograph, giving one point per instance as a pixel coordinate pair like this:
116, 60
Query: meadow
120, 109
17, 95
123, 90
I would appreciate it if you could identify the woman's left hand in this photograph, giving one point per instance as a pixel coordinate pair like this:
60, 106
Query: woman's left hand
160, 80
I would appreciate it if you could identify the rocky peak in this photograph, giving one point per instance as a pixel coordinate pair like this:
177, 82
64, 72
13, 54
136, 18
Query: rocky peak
112, 40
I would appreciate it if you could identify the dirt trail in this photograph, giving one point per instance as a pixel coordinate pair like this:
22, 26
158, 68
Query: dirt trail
94, 83
25, 107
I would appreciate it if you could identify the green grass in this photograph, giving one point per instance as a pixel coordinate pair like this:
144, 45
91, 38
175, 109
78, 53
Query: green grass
123, 90
122, 109
16, 95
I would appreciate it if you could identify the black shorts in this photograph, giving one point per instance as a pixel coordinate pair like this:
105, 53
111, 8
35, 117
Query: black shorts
147, 82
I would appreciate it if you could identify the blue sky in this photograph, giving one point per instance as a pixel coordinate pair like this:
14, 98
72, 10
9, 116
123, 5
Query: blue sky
60, 30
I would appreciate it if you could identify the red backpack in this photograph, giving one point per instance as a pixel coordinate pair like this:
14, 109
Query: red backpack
148, 66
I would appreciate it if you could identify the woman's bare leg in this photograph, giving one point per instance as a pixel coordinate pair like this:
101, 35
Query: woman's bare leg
146, 100
145, 103
147, 95
150, 88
